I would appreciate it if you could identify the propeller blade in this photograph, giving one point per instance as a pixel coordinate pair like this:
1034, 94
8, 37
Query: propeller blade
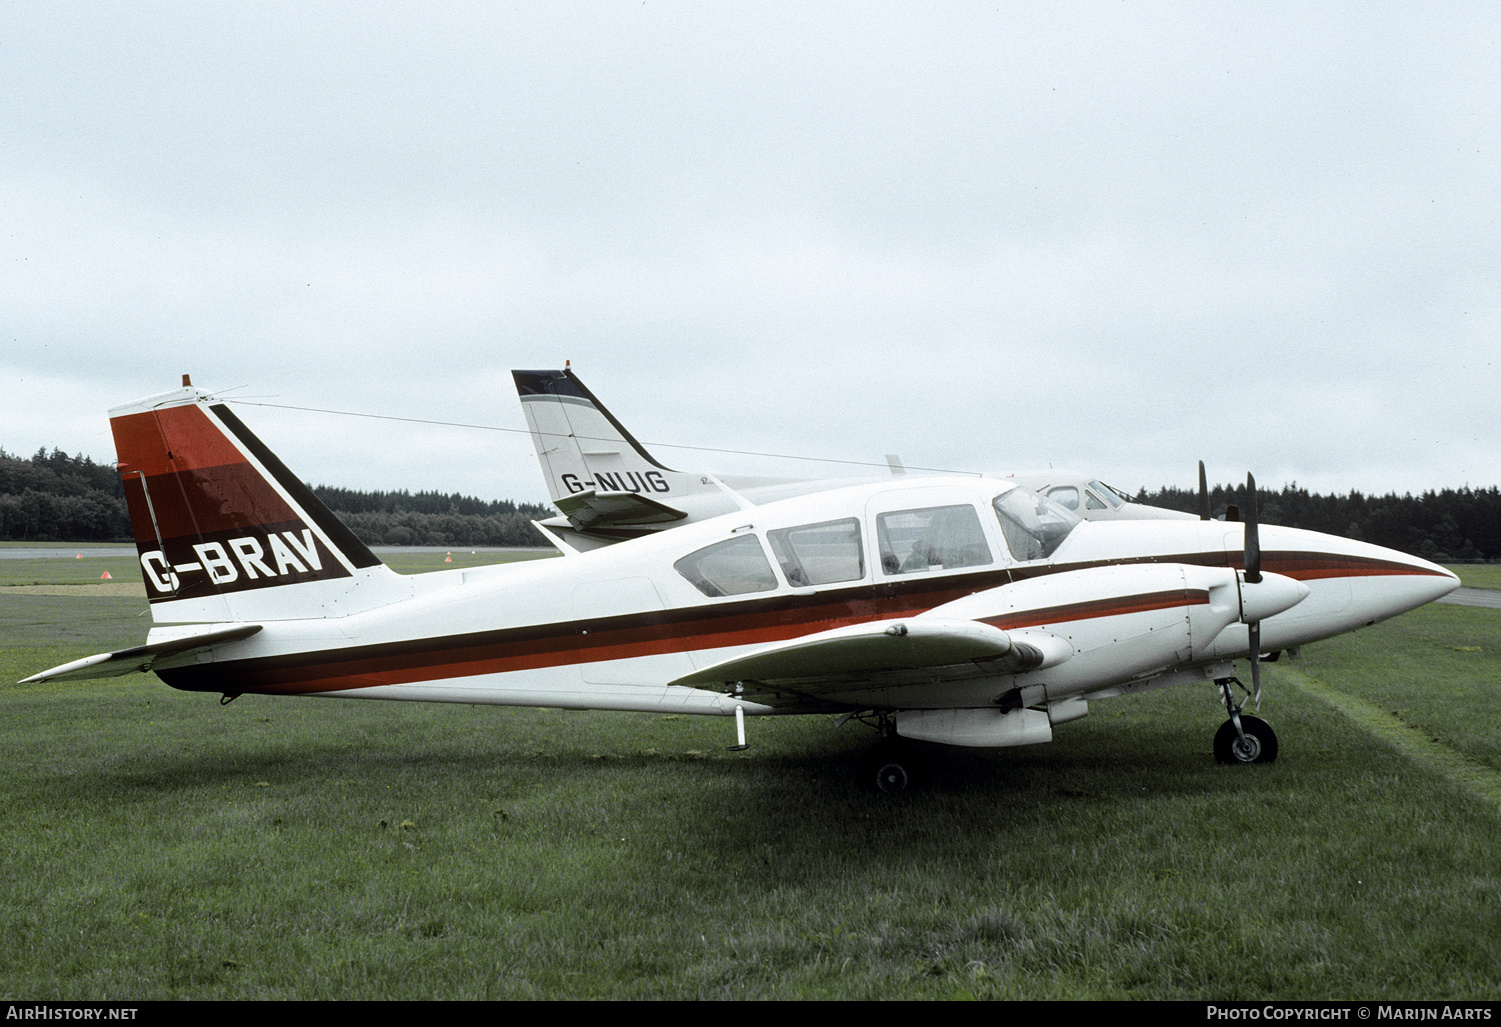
1253, 575
1253, 537
1203, 494
1254, 630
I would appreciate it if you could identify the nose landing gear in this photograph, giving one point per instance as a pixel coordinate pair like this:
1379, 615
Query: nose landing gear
1242, 738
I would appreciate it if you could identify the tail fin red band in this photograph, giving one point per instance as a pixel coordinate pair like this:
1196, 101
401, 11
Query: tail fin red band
214, 511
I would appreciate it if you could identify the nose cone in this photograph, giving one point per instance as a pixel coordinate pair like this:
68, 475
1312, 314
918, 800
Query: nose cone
1352, 584
1431, 581
1394, 583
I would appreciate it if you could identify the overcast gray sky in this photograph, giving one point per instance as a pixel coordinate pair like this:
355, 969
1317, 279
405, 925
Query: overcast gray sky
1116, 238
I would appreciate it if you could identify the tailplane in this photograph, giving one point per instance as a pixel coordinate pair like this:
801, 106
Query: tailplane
224, 531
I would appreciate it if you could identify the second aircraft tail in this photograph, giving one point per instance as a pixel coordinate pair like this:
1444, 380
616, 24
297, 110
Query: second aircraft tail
602, 480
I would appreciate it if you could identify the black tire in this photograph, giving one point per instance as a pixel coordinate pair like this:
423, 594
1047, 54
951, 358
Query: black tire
892, 769
1261, 742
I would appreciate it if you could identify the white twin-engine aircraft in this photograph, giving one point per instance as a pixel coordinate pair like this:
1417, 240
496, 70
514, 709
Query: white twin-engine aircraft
963, 611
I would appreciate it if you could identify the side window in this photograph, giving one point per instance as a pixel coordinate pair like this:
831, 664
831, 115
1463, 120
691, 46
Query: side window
818, 554
1068, 495
938, 537
729, 568
1092, 502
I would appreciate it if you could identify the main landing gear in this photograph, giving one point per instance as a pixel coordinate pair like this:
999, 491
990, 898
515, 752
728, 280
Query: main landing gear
1243, 738
892, 766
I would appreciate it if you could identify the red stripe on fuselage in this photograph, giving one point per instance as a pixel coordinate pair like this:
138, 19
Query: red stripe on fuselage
1095, 608
1314, 566
753, 622
555, 645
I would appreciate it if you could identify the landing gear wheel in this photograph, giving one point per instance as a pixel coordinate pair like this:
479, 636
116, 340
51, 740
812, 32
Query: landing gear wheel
891, 769
1260, 745
893, 776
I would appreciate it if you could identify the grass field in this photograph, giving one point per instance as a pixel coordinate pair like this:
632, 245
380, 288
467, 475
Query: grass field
159, 845
1478, 575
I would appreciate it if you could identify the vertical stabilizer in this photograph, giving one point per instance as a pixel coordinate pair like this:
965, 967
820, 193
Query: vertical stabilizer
599, 476
224, 531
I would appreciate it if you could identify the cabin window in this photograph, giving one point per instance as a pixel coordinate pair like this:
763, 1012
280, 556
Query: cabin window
1067, 495
936, 537
729, 568
1094, 502
1034, 525
819, 554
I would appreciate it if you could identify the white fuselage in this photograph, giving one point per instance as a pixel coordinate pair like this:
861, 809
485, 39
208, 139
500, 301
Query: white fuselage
1128, 602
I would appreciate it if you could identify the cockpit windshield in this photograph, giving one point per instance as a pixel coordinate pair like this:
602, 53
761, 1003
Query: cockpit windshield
1112, 495
1034, 525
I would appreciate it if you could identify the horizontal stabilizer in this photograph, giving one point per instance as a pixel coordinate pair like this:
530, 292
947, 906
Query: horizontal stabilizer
598, 509
141, 657
893, 650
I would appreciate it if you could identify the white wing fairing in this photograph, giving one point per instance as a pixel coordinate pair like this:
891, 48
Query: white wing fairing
974, 612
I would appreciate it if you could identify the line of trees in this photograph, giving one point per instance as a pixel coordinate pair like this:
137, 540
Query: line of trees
433, 518
1451, 525
55, 497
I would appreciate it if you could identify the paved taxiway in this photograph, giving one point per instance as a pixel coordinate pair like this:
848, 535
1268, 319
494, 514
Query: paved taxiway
1490, 597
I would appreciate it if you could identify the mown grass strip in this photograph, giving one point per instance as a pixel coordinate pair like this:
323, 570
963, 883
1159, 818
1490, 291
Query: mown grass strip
1411, 742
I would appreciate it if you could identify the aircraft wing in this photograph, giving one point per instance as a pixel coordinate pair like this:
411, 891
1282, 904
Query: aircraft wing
141, 657
877, 655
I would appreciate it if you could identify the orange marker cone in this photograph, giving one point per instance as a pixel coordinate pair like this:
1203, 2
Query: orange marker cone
78, 557
105, 576
448, 558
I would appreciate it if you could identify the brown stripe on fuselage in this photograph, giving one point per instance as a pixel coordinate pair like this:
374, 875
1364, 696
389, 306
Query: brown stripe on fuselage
1114, 607
754, 622
1300, 566
747, 622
